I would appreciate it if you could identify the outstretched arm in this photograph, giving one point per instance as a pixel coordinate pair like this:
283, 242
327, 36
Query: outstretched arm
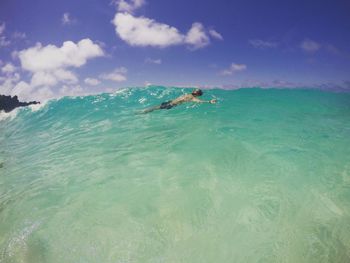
204, 101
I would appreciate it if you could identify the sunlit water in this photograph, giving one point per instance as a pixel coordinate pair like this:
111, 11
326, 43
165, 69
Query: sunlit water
261, 176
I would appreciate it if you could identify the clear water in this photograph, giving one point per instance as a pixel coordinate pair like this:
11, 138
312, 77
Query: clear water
262, 176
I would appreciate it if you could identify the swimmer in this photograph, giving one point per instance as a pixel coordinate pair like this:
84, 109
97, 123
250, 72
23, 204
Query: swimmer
192, 97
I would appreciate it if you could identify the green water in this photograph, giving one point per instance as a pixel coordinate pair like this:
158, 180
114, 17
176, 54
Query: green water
261, 176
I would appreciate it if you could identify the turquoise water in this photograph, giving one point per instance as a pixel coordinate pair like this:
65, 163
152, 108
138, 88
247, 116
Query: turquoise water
261, 176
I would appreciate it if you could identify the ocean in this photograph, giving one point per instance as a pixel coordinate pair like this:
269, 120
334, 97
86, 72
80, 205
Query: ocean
263, 175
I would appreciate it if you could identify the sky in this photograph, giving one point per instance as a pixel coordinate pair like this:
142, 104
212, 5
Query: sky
74, 47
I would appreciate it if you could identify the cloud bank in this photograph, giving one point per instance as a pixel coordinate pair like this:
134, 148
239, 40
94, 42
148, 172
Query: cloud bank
48, 66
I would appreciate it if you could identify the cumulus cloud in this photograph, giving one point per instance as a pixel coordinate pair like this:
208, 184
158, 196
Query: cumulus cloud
8, 68
128, 6
51, 57
197, 37
261, 44
8, 82
215, 34
37, 89
67, 19
153, 61
42, 78
48, 66
142, 31
76, 90
92, 81
233, 68
117, 75
310, 46
23, 90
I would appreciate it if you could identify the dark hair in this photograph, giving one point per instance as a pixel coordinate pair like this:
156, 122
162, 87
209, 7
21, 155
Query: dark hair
197, 92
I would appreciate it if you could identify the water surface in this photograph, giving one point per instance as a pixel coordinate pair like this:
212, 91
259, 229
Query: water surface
261, 176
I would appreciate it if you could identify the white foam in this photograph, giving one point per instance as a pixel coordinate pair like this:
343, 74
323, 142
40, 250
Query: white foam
142, 100
119, 92
36, 107
12, 114
8, 115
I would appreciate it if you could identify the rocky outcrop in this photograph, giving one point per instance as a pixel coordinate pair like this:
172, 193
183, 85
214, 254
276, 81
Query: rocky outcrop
8, 103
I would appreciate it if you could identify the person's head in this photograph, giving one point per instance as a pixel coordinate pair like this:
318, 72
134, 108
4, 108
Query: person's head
197, 92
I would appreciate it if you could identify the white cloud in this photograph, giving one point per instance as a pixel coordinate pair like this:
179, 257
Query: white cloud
129, 6
197, 37
8, 82
42, 78
215, 34
261, 44
23, 90
44, 93
50, 57
118, 75
65, 76
153, 61
39, 88
48, 66
233, 68
76, 90
310, 46
8, 68
142, 31
67, 19
92, 81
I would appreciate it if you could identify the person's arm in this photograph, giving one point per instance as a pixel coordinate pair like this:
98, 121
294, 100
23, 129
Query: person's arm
204, 101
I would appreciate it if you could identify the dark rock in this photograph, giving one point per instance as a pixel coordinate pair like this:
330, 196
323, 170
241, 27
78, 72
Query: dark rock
8, 103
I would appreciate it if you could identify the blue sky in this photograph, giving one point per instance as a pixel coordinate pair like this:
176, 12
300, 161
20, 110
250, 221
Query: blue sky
71, 47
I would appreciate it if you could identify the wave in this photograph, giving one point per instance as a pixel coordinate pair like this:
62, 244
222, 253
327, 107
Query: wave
136, 98
86, 179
